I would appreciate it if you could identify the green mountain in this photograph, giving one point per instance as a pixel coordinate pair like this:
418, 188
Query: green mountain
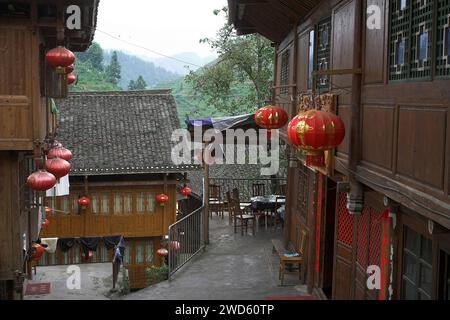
133, 67
190, 104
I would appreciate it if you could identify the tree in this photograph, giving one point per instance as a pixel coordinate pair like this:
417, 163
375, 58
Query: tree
240, 79
132, 85
113, 70
140, 84
94, 55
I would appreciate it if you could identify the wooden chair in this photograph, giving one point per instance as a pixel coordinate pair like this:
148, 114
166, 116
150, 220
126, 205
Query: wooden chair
258, 189
283, 189
240, 216
236, 196
284, 260
215, 201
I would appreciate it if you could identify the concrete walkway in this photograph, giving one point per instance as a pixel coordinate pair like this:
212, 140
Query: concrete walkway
234, 267
96, 282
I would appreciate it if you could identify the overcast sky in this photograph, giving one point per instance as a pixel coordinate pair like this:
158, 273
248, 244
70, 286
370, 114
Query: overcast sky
165, 26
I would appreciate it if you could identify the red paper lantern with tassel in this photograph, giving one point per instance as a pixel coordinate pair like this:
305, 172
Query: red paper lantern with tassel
162, 199
186, 192
60, 152
41, 181
315, 131
60, 58
58, 167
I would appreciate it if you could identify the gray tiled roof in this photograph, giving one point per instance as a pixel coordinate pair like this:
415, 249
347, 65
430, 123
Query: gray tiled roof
119, 132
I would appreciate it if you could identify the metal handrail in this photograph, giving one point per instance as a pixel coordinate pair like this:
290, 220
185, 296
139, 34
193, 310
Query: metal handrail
186, 240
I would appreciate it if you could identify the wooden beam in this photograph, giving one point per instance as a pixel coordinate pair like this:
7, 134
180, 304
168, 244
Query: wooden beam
337, 72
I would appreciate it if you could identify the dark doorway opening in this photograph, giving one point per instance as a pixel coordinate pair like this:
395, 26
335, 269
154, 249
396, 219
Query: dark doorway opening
329, 225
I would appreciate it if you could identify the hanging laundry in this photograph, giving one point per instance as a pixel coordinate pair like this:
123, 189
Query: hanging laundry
66, 243
119, 252
51, 244
111, 242
89, 245
62, 188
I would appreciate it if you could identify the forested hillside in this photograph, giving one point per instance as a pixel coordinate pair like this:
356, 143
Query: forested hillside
133, 67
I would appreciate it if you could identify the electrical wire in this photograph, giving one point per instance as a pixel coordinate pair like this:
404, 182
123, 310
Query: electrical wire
147, 49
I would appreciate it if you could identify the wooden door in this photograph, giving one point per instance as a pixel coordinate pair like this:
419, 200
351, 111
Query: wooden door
141, 257
327, 255
343, 257
444, 267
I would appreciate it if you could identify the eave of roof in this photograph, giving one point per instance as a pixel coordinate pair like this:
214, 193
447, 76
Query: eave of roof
273, 19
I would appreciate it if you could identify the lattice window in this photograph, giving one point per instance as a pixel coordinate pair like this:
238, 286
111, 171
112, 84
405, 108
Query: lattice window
416, 42
443, 39
363, 232
375, 237
303, 192
311, 59
284, 79
323, 53
399, 39
421, 38
345, 221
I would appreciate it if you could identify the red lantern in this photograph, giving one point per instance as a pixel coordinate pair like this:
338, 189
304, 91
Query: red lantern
162, 252
186, 192
48, 210
41, 181
270, 117
45, 224
36, 251
175, 245
58, 167
71, 78
60, 152
162, 199
316, 131
84, 202
69, 69
60, 58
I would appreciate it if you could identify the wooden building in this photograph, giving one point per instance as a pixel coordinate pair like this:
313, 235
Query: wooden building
121, 142
387, 203
28, 29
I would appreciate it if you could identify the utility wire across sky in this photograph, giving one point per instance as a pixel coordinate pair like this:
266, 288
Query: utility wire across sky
147, 49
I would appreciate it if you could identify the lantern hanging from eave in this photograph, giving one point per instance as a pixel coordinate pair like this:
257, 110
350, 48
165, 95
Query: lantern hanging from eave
41, 181
60, 152
58, 167
315, 131
71, 78
271, 117
162, 252
36, 251
84, 202
45, 224
186, 191
162, 199
60, 58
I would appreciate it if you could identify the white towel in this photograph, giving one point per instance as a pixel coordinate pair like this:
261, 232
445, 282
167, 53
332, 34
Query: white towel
62, 188
51, 244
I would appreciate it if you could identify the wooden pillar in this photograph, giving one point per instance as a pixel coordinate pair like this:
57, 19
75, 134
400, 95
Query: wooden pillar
206, 204
356, 189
